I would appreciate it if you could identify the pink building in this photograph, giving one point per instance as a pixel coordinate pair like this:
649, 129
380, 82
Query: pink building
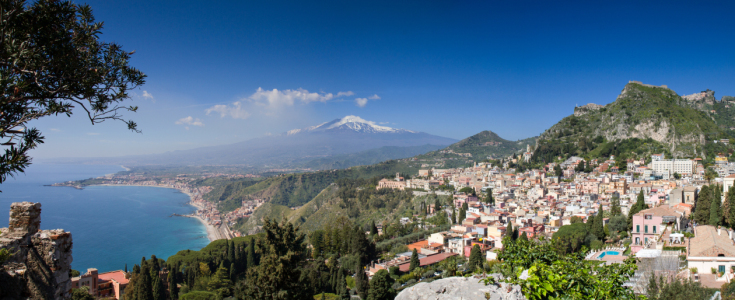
648, 225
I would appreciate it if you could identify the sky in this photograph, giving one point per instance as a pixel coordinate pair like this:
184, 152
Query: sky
228, 71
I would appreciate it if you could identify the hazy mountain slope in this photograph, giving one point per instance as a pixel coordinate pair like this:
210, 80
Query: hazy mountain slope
367, 157
347, 135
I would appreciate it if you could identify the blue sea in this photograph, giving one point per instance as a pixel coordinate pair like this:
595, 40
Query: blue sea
110, 225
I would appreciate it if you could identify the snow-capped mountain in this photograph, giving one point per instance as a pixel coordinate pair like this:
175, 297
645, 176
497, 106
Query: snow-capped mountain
350, 123
299, 147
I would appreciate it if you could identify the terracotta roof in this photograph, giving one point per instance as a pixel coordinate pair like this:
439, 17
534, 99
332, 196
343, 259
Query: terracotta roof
706, 239
118, 276
429, 260
659, 211
418, 245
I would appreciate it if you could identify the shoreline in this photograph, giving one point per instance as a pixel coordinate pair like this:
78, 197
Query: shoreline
213, 233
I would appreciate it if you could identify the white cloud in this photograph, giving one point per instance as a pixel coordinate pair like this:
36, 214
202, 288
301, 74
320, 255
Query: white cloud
374, 97
55, 129
190, 121
147, 95
235, 110
277, 99
361, 102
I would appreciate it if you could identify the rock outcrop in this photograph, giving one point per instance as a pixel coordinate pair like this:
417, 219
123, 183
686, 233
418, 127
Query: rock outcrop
40, 264
466, 288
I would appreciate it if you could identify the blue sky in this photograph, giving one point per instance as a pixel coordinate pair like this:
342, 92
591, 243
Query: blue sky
450, 68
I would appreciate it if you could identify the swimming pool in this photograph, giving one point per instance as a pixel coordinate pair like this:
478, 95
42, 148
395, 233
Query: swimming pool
608, 253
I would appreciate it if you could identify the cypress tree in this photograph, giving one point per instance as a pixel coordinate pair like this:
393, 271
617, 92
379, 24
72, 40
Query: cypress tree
415, 263
233, 275
523, 237
373, 228
615, 207
639, 205
251, 254
454, 214
731, 207
344, 295
362, 283
714, 212
136, 269
702, 206
231, 251
159, 293
476, 257
489, 199
509, 230
173, 289
462, 215
381, 287
599, 229
144, 288
126, 268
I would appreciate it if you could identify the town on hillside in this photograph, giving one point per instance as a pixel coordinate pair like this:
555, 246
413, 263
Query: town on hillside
494, 202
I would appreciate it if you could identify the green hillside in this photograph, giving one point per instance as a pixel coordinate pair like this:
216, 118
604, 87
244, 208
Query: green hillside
643, 119
292, 190
479, 147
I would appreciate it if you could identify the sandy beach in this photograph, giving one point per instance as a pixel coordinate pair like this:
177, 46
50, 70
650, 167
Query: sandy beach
212, 233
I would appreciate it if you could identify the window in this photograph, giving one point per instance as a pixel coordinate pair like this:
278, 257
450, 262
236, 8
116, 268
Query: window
654, 228
721, 269
646, 229
638, 228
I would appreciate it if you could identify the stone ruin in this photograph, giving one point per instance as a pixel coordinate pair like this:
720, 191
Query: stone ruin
39, 266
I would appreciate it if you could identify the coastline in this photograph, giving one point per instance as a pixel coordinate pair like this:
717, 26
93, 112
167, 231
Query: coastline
213, 233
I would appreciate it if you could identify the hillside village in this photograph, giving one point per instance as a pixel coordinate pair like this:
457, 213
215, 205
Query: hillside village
537, 203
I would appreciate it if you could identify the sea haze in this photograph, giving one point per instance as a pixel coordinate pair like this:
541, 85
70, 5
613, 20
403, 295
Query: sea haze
110, 225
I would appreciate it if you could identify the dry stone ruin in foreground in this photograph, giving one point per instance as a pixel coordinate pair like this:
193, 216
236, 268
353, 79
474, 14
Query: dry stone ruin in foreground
40, 264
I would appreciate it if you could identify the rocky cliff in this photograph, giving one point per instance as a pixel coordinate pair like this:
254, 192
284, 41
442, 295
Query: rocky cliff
40, 264
641, 111
466, 288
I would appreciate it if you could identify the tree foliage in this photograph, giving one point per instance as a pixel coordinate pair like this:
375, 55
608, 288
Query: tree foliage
52, 62
556, 275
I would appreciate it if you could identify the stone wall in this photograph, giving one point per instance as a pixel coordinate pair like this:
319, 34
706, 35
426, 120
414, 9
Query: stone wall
40, 264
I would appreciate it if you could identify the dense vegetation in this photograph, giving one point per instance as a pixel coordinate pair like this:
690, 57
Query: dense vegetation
298, 189
639, 111
476, 145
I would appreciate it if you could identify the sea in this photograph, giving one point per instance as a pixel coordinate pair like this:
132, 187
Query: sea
111, 226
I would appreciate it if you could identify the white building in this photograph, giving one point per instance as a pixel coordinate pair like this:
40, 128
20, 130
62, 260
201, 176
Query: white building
667, 167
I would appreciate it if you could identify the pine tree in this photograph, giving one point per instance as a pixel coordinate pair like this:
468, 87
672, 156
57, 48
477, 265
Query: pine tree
714, 212
415, 263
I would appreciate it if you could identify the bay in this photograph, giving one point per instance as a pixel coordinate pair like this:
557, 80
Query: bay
111, 225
